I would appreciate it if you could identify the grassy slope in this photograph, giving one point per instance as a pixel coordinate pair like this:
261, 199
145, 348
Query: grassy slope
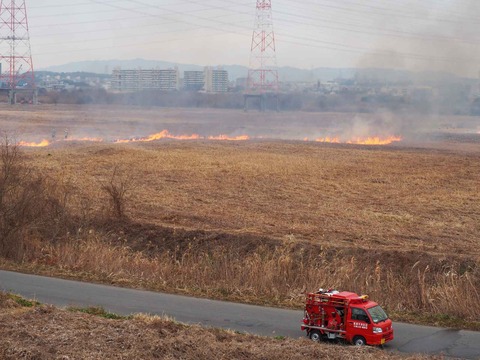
346, 196
45, 333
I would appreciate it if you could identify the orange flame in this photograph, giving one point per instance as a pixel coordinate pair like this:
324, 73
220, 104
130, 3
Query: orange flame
328, 139
165, 134
375, 140
372, 140
228, 138
43, 143
85, 139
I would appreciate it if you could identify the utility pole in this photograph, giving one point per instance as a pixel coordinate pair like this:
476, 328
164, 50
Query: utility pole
15, 52
262, 80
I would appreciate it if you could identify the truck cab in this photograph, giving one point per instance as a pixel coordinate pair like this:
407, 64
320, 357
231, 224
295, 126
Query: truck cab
345, 315
368, 324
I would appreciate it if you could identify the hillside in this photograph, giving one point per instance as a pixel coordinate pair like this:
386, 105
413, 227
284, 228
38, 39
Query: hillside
33, 331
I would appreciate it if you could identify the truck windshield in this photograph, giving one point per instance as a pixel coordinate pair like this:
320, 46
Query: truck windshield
377, 314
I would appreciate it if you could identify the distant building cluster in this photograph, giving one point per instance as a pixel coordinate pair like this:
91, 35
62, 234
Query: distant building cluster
140, 79
362, 89
61, 82
209, 80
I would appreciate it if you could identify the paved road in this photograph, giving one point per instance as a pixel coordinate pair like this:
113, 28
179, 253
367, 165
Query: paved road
248, 318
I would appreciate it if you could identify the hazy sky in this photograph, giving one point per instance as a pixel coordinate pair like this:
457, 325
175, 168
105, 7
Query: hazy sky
417, 35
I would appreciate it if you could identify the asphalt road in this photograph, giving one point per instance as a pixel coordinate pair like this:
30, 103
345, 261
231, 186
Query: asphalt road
248, 318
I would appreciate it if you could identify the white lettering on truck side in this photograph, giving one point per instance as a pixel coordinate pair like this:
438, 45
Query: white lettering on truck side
360, 325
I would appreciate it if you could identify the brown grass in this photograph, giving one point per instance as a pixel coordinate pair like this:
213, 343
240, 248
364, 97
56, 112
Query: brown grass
277, 277
375, 198
48, 333
265, 221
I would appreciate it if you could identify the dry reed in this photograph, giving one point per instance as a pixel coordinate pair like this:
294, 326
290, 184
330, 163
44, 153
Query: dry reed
278, 277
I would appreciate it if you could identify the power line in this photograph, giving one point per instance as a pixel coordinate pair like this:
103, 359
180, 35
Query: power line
452, 17
214, 23
372, 11
376, 31
130, 44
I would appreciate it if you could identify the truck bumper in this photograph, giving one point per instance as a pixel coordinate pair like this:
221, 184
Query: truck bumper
380, 339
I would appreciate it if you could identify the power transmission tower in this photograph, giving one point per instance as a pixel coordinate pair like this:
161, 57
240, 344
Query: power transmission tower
15, 51
262, 80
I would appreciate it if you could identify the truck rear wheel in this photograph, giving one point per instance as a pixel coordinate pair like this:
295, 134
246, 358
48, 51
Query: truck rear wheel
359, 341
315, 335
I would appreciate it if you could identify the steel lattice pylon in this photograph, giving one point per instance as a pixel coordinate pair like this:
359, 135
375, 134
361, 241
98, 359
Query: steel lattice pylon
15, 52
263, 73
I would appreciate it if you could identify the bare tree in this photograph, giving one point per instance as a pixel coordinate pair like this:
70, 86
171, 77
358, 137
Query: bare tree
117, 188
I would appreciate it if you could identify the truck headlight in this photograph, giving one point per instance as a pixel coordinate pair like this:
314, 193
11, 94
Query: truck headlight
377, 330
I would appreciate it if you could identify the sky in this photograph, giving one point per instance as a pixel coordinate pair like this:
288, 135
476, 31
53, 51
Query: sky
437, 35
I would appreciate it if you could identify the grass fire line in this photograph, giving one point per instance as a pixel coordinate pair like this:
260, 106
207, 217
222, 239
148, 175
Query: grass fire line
165, 134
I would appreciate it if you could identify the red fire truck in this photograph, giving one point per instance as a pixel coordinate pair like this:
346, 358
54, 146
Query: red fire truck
331, 314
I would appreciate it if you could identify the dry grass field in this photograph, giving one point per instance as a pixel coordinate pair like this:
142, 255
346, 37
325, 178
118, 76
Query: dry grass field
42, 332
377, 199
263, 221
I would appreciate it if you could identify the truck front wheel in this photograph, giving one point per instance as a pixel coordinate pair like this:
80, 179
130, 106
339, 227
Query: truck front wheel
359, 341
315, 335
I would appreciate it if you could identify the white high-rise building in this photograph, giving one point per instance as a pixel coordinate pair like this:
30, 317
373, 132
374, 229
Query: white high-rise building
140, 79
216, 80
193, 80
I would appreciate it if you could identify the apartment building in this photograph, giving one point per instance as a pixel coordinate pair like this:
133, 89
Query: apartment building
144, 79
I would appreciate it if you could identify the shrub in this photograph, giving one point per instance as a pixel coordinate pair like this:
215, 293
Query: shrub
31, 205
116, 189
